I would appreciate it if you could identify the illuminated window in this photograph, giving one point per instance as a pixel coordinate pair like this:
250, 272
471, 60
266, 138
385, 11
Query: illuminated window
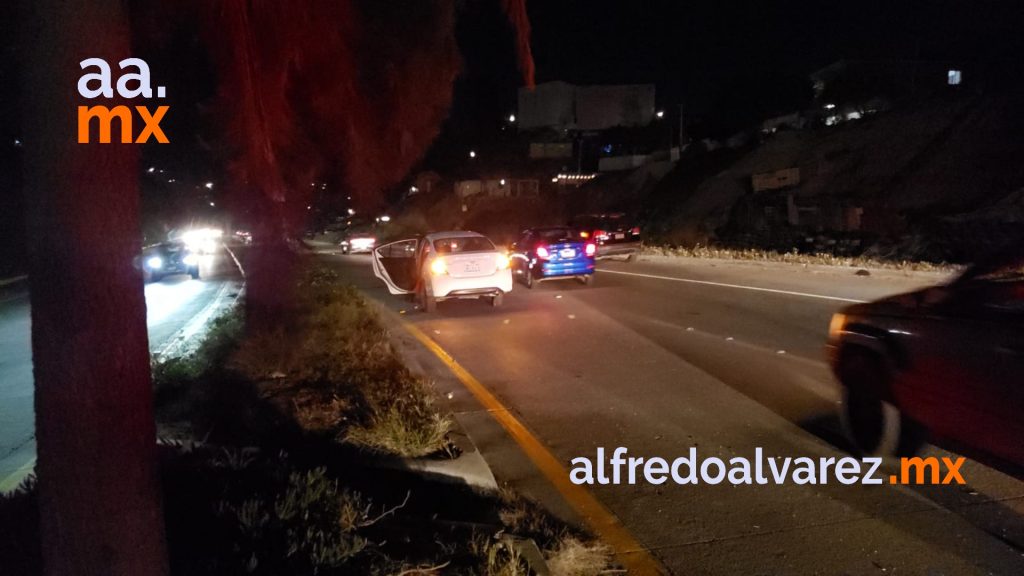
953, 77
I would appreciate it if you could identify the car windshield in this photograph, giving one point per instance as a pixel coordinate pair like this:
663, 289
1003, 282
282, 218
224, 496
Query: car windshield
556, 234
609, 221
459, 244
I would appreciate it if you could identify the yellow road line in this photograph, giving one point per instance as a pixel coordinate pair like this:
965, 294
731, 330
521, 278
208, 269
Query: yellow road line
631, 553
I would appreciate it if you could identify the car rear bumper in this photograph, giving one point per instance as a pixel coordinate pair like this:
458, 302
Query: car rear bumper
618, 249
450, 287
580, 267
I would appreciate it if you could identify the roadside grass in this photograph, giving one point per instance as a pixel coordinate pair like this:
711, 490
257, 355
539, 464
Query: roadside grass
240, 497
331, 366
328, 368
822, 259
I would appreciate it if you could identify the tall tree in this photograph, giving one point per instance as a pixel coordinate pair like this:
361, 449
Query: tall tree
356, 87
98, 487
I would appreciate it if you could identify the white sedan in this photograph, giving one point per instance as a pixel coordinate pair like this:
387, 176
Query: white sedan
444, 265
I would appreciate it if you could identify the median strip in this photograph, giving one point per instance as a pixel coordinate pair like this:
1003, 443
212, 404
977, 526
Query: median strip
738, 286
633, 555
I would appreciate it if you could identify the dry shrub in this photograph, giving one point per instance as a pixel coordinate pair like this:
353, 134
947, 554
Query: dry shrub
571, 557
824, 259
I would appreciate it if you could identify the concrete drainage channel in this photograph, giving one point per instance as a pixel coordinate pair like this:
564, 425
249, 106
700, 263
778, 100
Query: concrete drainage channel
469, 467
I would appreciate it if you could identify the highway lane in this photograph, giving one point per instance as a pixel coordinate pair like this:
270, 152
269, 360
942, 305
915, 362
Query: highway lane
662, 355
171, 305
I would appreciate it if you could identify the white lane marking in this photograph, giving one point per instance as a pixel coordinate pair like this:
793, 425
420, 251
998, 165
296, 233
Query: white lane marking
738, 286
14, 479
235, 258
8, 281
197, 323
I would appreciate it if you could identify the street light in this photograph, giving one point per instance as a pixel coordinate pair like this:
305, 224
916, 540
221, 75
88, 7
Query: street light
511, 117
209, 185
385, 218
472, 153
660, 113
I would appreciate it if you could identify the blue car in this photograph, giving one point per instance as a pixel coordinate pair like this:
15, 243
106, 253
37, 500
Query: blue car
552, 254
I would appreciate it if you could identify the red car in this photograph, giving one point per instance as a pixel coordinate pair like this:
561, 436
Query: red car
945, 363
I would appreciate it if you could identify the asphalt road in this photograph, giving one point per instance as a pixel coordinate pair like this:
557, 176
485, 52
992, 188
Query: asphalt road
662, 355
176, 306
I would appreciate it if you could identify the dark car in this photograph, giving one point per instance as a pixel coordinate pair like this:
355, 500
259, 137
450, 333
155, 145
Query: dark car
358, 240
946, 363
552, 253
614, 234
167, 259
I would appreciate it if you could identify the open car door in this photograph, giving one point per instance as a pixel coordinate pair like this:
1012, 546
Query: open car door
395, 264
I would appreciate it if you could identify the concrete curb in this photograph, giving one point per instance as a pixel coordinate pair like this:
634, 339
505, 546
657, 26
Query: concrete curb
470, 467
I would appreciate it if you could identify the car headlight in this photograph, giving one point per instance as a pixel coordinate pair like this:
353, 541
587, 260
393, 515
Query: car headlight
438, 267
155, 262
190, 259
836, 326
502, 261
363, 243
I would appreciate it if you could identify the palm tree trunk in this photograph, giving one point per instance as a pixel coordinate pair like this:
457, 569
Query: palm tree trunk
98, 485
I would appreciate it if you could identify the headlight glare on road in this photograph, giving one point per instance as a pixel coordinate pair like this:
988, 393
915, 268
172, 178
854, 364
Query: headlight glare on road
438, 267
836, 326
502, 261
155, 263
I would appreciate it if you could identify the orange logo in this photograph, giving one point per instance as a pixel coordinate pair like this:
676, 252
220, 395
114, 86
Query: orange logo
129, 85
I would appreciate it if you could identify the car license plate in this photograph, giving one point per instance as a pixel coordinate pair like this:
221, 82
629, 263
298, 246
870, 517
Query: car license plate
471, 268
567, 253
620, 236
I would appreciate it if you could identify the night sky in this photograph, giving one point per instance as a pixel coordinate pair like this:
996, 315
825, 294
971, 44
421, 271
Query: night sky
738, 59
729, 63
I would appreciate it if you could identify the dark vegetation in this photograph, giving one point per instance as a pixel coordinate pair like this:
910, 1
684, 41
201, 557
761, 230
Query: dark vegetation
268, 466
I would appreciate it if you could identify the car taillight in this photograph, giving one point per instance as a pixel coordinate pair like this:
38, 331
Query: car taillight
591, 249
600, 235
636, 231
438, 267
502, 261
542, 252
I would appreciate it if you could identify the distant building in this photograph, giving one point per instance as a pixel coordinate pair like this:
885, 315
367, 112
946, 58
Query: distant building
859, 81
497, 188
562, 106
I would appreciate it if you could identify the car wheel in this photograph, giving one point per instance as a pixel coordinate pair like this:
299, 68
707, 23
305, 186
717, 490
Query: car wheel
874, 426
427, 301
498, 299
587, 279
528, 277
